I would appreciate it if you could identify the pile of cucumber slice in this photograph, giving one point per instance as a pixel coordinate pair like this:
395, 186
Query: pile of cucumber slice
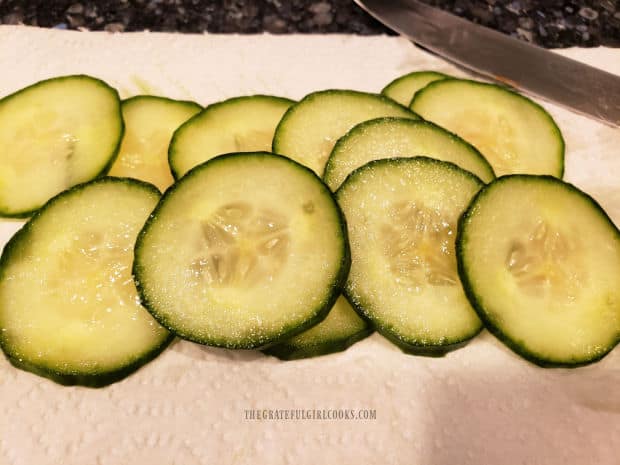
295, 228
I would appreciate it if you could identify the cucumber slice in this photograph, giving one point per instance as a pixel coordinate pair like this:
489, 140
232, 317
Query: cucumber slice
310, 128
402, 215
540, 262
341, 329
514, 133
240, 124
69, 309
55, 134
403, 89
399, 137
149, 124
222, 257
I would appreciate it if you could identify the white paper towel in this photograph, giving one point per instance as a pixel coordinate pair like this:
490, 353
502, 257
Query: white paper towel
478, 405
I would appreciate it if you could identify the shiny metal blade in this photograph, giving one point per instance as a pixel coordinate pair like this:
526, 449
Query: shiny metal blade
576, 86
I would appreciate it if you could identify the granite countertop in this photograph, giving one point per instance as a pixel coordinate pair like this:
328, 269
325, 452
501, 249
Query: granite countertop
550, 23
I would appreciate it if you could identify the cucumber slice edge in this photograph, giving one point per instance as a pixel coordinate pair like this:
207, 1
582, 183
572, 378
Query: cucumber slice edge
552, 124
159, 98
318, 93
104, 170
212, 106
474, 300
95, 380
454, 137
404, 345
335, 289
415, 74
284, 351
92, 380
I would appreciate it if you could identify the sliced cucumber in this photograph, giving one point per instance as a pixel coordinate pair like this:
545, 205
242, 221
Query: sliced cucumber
403, 89
341, 329
400, 137
231, 256
240, 124
149, 124
55, 134
69, 309
540, 262
514, 133
310, 128
402, 216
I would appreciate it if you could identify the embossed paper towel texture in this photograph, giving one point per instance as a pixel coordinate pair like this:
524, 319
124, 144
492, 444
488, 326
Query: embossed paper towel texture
478, 405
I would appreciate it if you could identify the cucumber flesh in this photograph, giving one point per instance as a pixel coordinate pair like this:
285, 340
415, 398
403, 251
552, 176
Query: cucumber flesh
222, 257
514, 133
310, 128
401, 215
540, 261
341, 329
400, 137
69, 309
149, 124
240, 124
55, 134
403, 89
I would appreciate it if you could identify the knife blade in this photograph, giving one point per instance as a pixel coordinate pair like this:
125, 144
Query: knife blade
535, 70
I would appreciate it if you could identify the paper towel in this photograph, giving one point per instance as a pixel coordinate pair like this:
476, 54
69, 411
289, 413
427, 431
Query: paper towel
478, 405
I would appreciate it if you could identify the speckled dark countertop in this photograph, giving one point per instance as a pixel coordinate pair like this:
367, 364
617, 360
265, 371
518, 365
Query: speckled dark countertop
551, 23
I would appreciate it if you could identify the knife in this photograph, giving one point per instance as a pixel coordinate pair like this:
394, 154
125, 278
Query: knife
573, 85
